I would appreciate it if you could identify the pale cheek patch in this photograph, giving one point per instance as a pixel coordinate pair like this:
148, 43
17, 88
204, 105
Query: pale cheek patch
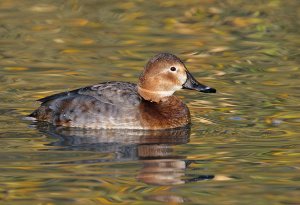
171, 83
182, 78
180, 74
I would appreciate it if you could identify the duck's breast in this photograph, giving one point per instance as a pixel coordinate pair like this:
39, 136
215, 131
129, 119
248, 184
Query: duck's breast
167, 114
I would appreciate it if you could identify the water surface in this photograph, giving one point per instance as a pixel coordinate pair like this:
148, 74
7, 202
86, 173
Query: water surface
243, 145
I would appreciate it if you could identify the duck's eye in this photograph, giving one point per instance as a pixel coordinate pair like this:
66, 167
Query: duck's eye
173, 69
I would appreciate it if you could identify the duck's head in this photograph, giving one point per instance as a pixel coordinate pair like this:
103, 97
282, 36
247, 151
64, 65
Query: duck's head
163, 75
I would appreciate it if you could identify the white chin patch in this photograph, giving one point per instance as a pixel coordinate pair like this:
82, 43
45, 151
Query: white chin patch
169, 92
164, 93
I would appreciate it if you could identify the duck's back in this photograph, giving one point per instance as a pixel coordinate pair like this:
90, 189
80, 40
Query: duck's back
105, 105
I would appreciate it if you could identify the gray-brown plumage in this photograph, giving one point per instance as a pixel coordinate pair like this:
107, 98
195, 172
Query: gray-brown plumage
122, 105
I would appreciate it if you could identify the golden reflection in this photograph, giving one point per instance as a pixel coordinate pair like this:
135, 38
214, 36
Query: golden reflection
154, 149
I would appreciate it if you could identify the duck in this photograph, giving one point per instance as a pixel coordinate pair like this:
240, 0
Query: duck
147, 105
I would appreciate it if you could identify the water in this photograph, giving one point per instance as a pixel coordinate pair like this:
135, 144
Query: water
243, 146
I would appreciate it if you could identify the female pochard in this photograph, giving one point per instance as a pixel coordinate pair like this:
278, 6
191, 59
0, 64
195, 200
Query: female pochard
148, 105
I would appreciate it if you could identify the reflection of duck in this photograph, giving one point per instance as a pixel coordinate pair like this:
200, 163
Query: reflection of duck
153, 148
134, 143
120, 105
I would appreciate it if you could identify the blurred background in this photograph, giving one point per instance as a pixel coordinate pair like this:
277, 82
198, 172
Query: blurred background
243, 144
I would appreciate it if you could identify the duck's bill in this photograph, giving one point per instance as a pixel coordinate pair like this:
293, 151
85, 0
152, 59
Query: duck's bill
192, 84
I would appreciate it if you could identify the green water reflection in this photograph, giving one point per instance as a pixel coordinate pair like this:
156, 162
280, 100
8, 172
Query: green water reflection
243, 146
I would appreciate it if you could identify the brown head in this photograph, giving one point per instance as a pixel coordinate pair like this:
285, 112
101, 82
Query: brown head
163, 75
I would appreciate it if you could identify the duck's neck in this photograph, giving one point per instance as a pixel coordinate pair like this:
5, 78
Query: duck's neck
154, 96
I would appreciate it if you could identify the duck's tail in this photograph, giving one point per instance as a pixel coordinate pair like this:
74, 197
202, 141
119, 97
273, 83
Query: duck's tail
31, 117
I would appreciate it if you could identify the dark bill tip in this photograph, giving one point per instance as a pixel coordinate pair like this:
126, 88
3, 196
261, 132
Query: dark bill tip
208, 90
192, 84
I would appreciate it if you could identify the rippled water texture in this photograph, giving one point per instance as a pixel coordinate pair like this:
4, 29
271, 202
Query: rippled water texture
243, 145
